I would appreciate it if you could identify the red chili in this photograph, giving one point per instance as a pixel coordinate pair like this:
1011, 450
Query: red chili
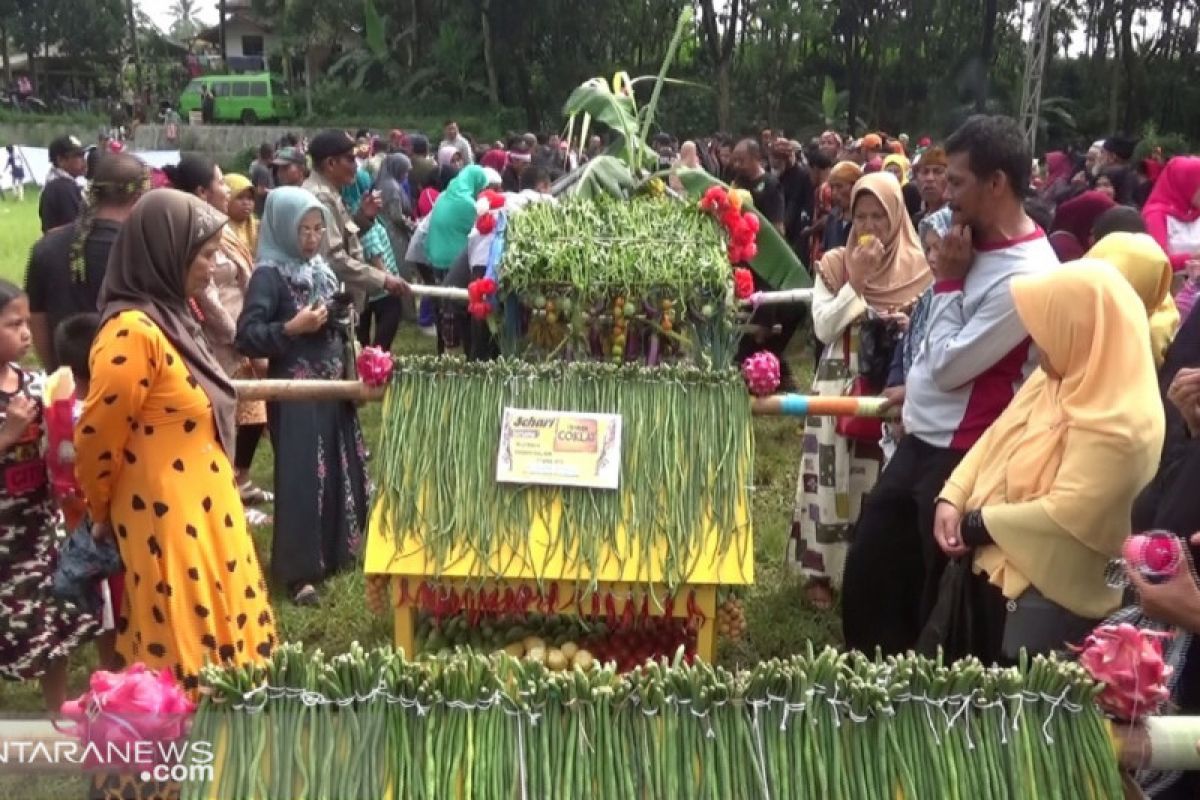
610, 608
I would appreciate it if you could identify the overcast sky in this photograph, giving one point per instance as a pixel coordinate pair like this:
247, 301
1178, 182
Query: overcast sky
160, 11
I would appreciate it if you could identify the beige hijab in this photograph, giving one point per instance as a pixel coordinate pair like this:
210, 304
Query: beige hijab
903, 273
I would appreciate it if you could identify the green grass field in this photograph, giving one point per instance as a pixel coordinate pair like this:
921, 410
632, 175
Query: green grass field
778, 620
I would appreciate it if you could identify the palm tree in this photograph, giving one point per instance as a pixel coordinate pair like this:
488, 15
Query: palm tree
184, 25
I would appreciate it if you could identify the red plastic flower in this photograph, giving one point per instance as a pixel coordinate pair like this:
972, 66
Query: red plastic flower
750, 220
730, 219
485, 223
495, 199
479, 309
374, 366
487, 285
1129, 662
743, 283
716, 199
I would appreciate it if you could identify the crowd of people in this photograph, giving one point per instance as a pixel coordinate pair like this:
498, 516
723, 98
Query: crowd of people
1029, 323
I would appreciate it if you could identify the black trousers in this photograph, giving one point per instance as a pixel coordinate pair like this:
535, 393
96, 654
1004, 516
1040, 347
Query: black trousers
894, 564
385, 313
246, 444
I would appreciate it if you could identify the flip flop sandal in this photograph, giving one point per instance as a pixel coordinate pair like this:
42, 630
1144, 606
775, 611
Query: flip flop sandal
256, 518
254, 496
306, 596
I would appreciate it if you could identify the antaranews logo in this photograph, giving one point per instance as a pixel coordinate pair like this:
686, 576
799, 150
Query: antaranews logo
38, 745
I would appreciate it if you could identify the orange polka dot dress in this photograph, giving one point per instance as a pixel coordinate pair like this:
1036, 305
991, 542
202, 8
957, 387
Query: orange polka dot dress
149, 462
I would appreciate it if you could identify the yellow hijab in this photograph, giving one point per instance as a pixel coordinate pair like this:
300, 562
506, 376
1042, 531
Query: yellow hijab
900, 161
1103, 401
1148, 269
247, 230
903, 274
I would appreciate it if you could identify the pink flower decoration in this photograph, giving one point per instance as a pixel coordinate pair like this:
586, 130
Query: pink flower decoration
1155, 553
761, 373
374, 366
1129, 662
125, 708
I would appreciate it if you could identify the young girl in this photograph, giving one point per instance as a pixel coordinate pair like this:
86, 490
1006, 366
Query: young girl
37, 631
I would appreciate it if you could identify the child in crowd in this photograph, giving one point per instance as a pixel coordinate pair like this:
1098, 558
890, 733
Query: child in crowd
37, 630
66, 390
14, 165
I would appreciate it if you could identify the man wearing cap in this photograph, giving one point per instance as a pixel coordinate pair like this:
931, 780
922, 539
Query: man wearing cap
797, 188
261, 178
334, 167
289, 167
931, 182
62, 196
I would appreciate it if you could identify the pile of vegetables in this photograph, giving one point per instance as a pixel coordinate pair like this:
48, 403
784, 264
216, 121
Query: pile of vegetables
687, 452
646, 280
816, 725
563, 641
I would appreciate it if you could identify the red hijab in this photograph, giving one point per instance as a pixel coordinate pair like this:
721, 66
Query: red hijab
1058, 167
1173, 191
1077, 216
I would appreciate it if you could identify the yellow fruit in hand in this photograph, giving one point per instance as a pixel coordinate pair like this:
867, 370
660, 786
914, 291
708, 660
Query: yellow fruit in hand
865, 240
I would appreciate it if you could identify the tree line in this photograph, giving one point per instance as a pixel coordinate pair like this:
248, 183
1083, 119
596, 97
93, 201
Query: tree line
917, 66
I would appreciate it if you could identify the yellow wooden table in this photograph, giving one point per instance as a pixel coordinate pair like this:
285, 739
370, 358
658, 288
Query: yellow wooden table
544, 564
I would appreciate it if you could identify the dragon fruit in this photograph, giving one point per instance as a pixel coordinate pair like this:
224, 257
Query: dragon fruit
374, 366
761, 373
1129, 662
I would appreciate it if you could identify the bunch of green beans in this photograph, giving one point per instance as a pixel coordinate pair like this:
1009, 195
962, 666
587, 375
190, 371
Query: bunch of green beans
820, 724
686, 454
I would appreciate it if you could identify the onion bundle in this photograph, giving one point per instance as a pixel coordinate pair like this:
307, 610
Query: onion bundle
819, 724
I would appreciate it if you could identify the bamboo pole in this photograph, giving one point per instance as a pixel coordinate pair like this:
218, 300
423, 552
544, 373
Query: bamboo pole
787, 405
786, 297
782, 298
283, 391
439, 292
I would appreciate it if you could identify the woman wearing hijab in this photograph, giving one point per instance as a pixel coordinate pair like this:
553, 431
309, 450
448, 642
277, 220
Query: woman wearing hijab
1058, 174
396, 215
290, 318
219, 305
1144, 264
243, 223
1071, 231
877, 277
382, 309
1042, 502
898, 165
1172, 212
450, 224
153, 449
449, 163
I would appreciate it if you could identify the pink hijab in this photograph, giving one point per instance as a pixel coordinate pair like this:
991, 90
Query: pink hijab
1172, 198
1175, 188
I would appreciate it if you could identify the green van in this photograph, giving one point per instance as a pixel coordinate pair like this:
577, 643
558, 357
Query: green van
248, 99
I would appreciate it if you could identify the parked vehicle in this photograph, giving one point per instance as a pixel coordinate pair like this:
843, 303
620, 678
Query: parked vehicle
247, 99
